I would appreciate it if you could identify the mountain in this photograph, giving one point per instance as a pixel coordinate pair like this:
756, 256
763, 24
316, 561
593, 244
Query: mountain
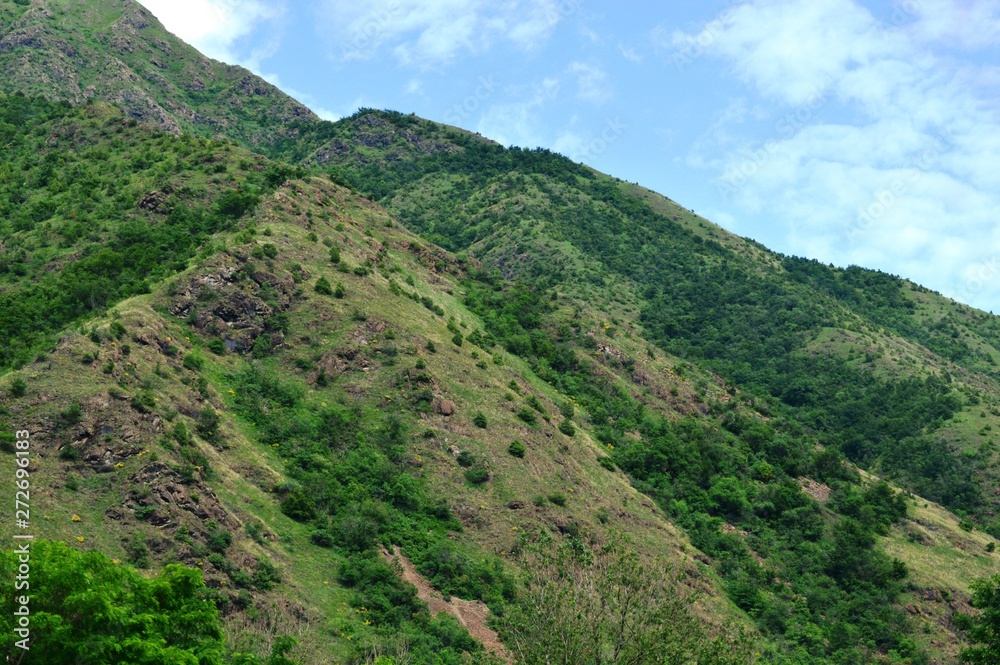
346, 372
120, 53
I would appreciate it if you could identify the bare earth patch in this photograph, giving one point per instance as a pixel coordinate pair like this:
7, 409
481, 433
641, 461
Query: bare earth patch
470, 613
816, 490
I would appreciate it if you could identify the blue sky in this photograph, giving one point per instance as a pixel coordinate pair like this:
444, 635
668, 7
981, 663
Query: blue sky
852, 131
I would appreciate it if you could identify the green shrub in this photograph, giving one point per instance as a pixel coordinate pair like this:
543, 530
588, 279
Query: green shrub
539, 500
558, 498
72, 415
334, 254
323, 287
217, 346
567, 428
194, 361
208, 424
339, 291
527, 416
265, 575
431, 346
18, 387
607, 463
466, 459
516, 448
479, 420
456, 339
322, 538
566, 409
262, 346
298, 505
477, 475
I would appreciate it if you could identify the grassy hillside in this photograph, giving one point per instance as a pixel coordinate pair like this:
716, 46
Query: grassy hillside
118, 52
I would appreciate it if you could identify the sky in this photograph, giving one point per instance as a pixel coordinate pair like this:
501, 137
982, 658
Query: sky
855, 132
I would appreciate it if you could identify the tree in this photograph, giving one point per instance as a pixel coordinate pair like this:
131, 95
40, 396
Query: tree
983, 629
86, 608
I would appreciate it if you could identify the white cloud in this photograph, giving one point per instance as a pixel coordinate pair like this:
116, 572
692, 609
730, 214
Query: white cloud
591, 81
968, 24
427, 33
879, 153
214, 26
517, 123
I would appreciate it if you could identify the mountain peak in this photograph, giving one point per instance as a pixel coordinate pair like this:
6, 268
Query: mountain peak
117, 51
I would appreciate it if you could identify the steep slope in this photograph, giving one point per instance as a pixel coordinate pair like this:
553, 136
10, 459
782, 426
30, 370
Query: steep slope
698, 292
243, 419
587, 341
118, 52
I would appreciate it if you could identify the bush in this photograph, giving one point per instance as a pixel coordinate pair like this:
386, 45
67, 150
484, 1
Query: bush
479, 420
322, 538
144, 402
72, 415
477, 475
607, 463
527, 416
566, 427
298, 506
194, 361
516, 448
456, 339
339, 291
323, 287
466, 459
335, 255
217, 346
262, 346
18, 387
208, 424
265, 575
558, 498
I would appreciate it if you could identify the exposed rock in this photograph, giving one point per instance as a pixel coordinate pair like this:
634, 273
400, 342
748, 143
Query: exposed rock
443, 407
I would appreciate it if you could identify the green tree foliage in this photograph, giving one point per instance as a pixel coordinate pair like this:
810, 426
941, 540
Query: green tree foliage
95, 208
983, 629
323, 286
87, 608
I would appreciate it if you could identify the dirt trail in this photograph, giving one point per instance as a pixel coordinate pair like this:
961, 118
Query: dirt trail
470, 613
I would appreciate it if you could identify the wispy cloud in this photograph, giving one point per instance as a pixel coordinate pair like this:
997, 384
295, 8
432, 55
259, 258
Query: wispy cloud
428, 33
517, 123
591, 82
879, 148
215, 26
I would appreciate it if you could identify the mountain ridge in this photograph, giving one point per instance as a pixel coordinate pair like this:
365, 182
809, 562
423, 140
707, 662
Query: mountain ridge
660, 377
